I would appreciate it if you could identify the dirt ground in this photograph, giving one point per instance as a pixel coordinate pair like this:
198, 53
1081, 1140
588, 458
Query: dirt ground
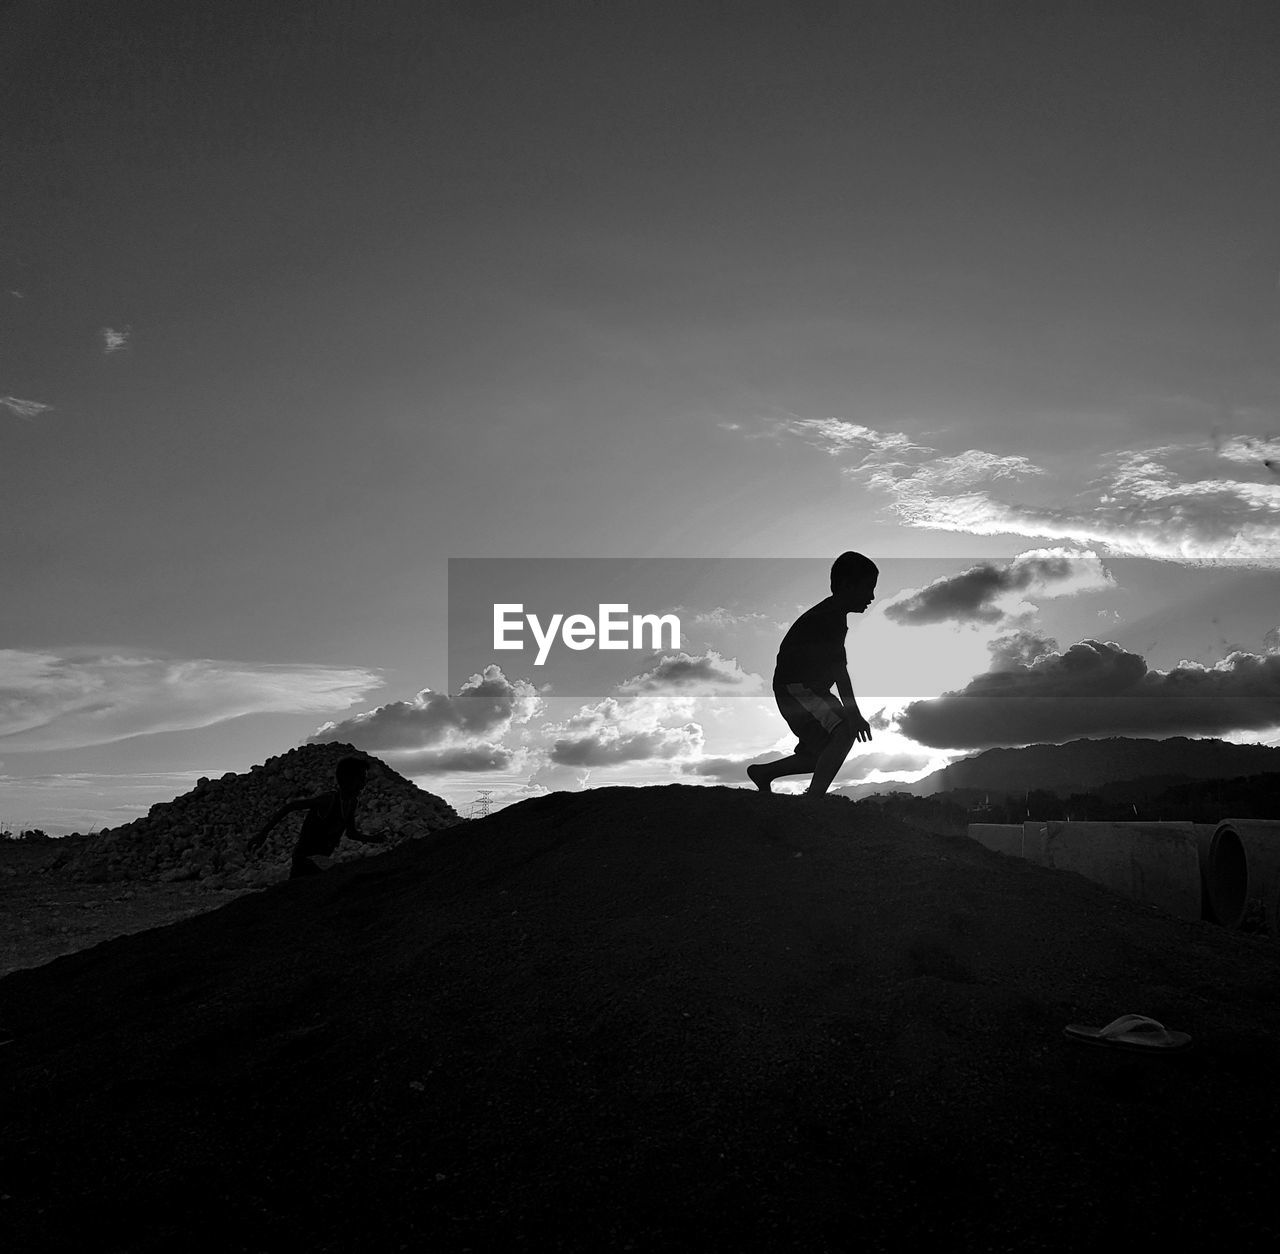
43, 916
647, 1019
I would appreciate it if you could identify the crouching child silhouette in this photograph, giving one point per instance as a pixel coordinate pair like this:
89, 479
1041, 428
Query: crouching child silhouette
329, 815
812, 658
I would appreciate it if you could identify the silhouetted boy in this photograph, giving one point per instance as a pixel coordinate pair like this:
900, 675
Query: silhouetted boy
811, 659
329, 814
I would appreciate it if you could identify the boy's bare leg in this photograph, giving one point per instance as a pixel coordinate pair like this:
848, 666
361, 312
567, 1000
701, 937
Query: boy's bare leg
300, 861
762, 774
830, 760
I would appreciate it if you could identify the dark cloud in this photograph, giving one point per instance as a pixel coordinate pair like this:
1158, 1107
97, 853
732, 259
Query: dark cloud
1098, 689
707, 674
729, 770
477, 757
608, 745
970, 596
484, 708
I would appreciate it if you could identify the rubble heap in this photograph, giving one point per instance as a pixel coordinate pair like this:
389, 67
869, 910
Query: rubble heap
201, 835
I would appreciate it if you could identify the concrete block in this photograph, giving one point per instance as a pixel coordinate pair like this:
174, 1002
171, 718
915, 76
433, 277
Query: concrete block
1153, 863
1000, 837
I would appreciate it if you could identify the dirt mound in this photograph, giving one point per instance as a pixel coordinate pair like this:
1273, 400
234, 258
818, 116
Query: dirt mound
667, 1018
201, 834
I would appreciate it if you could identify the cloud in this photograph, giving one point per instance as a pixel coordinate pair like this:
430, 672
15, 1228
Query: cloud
1249, 449
483, 710
630, 730
637, 724
610, 746
706, 674
728, 770
483, 756
1019, 650
835, 436
721, 619
24, 409
76, 698
973, 594
1173, 502
113, 341
553, 777
731, 770
1095, 689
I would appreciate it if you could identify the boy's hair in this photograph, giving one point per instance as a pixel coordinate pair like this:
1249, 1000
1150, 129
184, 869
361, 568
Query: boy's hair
351, 771
850, 568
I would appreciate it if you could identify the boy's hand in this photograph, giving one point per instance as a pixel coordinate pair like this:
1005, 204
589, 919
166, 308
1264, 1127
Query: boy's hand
861, 728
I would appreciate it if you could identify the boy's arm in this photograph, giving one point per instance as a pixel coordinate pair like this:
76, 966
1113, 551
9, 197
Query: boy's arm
302, 803
349, 826
844, 686
348, 805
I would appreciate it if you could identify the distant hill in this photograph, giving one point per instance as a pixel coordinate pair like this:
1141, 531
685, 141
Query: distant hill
1087, 765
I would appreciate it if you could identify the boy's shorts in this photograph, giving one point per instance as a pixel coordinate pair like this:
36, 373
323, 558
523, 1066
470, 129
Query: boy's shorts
812, 715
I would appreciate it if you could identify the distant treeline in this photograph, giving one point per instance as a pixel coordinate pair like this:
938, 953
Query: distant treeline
1199, 800
937, 813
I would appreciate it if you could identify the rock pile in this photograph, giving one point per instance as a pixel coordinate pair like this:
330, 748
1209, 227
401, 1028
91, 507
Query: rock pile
200, 836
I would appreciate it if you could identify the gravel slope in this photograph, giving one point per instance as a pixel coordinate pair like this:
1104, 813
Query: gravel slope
665, 1018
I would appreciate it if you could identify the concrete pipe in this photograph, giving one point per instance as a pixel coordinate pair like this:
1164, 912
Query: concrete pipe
1242, 872
1154, 863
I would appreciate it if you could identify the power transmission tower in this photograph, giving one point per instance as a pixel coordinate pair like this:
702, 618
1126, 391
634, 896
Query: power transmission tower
480, 806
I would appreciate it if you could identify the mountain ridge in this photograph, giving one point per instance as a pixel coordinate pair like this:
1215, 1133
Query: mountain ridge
1085, 765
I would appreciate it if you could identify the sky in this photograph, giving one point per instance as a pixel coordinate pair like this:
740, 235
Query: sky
305, 308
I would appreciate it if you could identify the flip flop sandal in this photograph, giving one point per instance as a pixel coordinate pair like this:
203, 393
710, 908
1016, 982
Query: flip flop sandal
1132, 1032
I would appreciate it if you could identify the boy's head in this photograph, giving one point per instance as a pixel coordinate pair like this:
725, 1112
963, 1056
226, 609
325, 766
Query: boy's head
853, 580
350, 774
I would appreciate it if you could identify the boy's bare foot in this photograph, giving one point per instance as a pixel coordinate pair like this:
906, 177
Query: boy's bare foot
751, 775
301, 867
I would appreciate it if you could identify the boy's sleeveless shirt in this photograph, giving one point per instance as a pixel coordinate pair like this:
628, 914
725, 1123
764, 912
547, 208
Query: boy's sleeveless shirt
326, 824
812, 652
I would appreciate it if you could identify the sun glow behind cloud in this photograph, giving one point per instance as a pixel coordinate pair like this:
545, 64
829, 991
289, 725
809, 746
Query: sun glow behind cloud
927, 662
